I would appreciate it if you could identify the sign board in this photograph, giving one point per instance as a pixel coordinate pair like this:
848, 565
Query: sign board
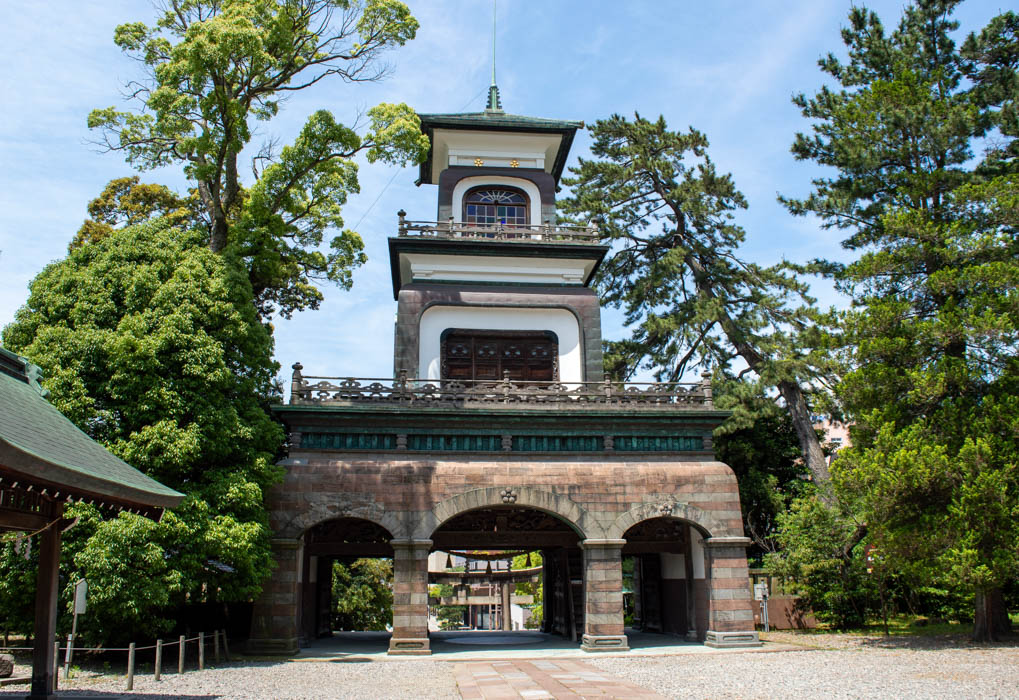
760, 591
80, 593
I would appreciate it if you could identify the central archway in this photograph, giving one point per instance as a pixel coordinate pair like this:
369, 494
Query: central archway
478, 547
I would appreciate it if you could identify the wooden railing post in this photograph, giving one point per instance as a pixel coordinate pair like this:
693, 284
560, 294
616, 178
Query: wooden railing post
226, 647
215, 645
158, 670
180, 655
201, 651
130, 666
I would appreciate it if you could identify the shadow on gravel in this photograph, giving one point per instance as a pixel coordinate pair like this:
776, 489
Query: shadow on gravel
960, 641
100, 695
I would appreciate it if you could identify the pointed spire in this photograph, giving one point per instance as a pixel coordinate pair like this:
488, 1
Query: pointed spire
494, 103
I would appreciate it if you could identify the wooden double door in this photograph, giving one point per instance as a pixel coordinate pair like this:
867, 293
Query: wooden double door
483, 355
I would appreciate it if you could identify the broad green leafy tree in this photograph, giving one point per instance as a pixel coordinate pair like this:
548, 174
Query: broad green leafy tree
363, 595
126, 201
930, 344
674, 268
214, 69
150, 343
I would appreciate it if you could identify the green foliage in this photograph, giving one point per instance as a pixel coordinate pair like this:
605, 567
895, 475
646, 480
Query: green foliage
214, 69
674, 269
760, 444
535, 589
451, 617
363, 595
126, 201
930, 345
822, 551
150, 344
19, 562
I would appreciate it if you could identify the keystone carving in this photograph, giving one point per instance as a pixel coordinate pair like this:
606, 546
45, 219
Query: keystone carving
666, 509
508, 495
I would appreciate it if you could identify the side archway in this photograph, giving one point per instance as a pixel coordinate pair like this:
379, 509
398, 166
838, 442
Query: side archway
324, 507
666, 507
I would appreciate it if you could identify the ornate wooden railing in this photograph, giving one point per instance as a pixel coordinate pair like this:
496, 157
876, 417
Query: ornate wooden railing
454, 230
403, 390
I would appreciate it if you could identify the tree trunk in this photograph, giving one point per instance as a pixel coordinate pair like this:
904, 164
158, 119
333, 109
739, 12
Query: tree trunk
990, 618
217, 241
791, 392
813, 455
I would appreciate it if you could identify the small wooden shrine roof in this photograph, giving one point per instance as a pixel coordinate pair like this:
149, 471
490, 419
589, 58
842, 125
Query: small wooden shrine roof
43, 453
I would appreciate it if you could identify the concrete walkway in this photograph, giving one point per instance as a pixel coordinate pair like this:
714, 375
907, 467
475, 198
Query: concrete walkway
461, 646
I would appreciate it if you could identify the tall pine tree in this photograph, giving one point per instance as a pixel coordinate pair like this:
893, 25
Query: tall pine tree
931, 340
675, 269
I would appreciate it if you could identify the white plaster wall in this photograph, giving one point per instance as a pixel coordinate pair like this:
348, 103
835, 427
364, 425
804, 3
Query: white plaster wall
697, 554
526, 185
564, 324
478, 268
673, 565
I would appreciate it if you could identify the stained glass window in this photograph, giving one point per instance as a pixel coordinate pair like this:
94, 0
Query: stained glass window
488, 206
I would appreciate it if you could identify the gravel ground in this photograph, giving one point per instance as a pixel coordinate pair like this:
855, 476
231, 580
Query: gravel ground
856, 669
267, 680
830, 666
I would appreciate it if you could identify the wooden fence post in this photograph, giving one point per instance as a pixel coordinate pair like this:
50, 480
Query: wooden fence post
215, 644
56, 662
226, 647
201, 651
130, 666
180, 656
158, 671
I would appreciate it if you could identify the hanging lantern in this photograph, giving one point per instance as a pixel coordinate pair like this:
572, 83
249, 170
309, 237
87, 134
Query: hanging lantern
449, 561
488, 570
528, 560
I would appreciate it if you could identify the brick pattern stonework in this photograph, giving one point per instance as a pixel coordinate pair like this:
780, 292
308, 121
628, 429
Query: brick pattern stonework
410, 597
599, 496
274, 618
603, 596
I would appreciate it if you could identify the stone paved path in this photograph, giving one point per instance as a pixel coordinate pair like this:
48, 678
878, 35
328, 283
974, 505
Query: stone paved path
562, 679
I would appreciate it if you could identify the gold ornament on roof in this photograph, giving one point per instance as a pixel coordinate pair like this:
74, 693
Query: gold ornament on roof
478, 162
514, 163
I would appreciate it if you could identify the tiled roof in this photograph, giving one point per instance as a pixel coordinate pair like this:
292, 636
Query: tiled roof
40, 443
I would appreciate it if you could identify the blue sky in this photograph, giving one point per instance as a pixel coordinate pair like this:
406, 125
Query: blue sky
726, 68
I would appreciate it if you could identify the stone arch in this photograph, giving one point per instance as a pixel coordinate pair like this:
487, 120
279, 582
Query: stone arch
666, 507
327, 508
521, 496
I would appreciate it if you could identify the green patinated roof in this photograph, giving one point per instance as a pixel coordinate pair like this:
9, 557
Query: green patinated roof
39, 444
497, 119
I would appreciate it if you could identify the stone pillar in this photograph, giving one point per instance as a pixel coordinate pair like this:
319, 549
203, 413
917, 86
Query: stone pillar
410, 597
274, 618
603, 596
730, 616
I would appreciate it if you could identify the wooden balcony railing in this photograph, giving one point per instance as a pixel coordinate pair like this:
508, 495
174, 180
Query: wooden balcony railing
542, 233
572, 395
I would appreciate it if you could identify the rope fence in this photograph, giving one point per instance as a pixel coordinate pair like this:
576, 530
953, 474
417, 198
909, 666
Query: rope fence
220, 646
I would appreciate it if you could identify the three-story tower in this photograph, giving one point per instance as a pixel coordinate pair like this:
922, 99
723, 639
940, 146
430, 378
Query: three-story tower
499, 430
